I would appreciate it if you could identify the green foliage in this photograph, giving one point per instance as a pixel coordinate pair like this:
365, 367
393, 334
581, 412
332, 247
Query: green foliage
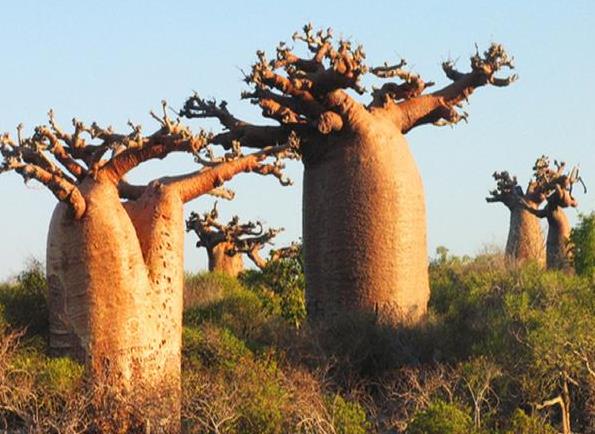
61, 374
504, 337
285, 279
264, 399
348, 417
583, 240
441, 418
211, 346
205, 288
241, 311
23, 304
522, 423
534, 327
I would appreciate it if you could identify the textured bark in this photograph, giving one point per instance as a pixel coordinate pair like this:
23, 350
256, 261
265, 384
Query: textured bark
525, 238
110, 308
558, 240
222, 262
364, 228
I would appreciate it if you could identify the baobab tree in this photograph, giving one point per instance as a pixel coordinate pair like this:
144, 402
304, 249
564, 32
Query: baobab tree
115, 250
558, 186
364, 222
525, 239
226, 243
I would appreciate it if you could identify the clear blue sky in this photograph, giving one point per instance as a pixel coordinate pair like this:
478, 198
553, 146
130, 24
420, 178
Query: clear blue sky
111, 61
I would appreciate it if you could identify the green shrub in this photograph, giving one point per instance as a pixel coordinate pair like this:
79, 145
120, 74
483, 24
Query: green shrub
62, 374
529, 323
208, 287
263, 400
522, 423
583, 241
441, 418
211, 346
348, 417
284, 278
242, 312
23, 304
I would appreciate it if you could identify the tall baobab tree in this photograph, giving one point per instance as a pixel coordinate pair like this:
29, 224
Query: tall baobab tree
226, 243
525, 239
364, 222
115, 251
558, 186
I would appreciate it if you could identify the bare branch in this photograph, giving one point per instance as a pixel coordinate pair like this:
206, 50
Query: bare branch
412, 87
441, 104
197, 183
29, 161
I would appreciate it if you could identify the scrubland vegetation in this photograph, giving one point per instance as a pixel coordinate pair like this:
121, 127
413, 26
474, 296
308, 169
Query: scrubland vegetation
503, 350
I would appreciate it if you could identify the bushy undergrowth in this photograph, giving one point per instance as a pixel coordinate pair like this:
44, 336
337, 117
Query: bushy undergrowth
497, 343
583, 242
283, 283
23, 304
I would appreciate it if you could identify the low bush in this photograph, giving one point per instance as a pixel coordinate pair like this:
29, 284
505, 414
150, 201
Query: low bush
583, 242
23, 303
441, 418
284, 281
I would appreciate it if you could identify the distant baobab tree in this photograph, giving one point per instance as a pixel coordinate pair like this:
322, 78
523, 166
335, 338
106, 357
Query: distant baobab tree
226, 243
525, 239
558, 186
115, 250
364, 217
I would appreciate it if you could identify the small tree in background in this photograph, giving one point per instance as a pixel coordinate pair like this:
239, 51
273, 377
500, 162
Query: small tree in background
226, 243
525, 240
557, 186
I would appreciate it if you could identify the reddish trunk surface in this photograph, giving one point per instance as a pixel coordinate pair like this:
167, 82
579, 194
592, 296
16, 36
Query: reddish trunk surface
365, 228
116, 295
221, 262
558, 237
525, 239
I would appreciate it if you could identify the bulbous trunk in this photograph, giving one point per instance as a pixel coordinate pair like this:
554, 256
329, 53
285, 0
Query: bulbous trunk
116, 280
525, 239
558, 239
221, 262
364, 227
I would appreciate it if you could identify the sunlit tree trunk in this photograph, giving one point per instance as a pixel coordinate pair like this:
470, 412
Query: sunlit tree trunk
365, 228
222, 262
525, 239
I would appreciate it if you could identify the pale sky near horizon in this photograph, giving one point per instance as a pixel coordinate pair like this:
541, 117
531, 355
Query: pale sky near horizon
111, 61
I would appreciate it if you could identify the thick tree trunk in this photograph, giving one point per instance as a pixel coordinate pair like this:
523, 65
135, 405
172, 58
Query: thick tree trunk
221, 262
116, 300
558, 238
364, 224
525, 239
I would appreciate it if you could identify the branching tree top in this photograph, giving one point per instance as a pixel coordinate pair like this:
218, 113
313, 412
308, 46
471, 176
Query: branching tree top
548, 182
556, 182
307, 96
62, 160
239, 238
